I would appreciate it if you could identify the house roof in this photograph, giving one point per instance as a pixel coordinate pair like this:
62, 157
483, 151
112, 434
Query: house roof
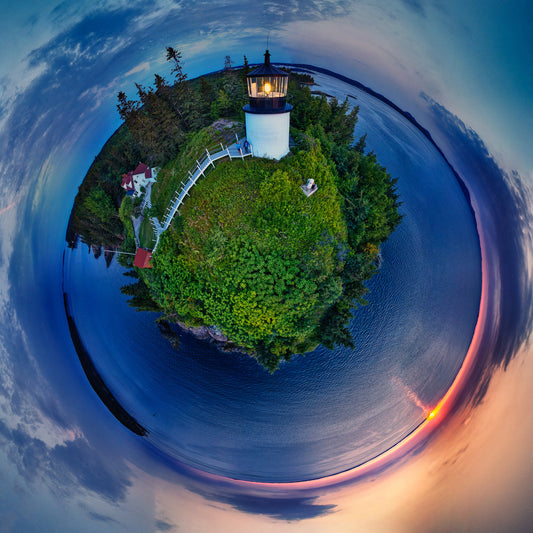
143, 258
143, 169
127, 181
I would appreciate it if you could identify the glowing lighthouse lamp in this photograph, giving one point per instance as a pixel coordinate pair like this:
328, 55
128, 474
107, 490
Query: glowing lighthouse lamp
268, 114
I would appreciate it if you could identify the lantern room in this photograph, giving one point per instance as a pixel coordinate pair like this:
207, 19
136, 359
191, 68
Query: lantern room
268, 114
267, 87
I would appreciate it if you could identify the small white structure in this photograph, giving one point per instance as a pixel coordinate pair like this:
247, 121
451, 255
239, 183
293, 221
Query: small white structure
310, 187
268, 114
134, 180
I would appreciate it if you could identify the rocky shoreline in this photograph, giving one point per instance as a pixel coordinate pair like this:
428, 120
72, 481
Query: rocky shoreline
211, 334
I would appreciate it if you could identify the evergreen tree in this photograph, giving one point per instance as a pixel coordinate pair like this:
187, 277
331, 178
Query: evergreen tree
163, 114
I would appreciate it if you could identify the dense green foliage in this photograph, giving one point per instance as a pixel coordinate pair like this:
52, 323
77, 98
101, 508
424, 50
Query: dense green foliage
253, 255
100, 204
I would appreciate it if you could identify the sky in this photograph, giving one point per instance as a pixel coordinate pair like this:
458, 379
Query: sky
461, 68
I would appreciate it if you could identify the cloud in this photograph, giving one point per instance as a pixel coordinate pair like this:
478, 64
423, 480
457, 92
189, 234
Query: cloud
279, 508
77, 464
31, 454
102, 518
160, 10
415, 6
5, 432
99, 94
65, 468
139, 68
161, 525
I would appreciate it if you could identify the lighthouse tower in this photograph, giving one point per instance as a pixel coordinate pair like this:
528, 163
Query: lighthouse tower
268, 114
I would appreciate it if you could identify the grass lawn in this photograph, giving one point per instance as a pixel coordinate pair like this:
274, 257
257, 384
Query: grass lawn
146, 234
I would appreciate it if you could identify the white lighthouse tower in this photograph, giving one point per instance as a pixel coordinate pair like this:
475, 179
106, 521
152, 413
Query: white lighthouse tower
268, 114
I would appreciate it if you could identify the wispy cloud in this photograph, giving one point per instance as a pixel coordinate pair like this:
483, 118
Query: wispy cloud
139, 68
100, 93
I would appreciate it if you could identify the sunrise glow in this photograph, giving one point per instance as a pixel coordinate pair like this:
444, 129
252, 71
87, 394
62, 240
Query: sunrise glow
432, 414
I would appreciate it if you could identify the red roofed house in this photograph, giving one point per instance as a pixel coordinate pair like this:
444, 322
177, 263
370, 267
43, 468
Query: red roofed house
127, 182
142, 258
140, 177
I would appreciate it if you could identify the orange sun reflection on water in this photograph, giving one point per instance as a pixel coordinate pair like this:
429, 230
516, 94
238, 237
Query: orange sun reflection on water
432, 414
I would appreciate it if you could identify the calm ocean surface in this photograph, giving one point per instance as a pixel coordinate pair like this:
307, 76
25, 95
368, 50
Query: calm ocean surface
330, 410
